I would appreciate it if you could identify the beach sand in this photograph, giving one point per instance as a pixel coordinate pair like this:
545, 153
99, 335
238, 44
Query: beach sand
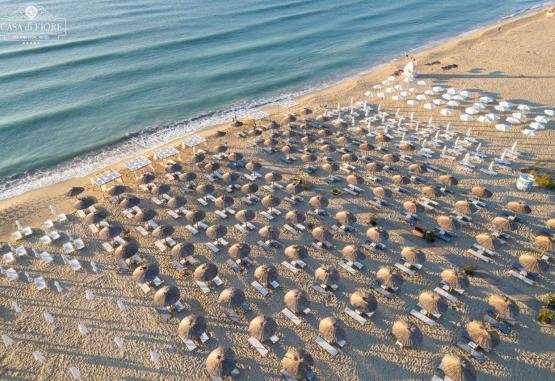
512, 60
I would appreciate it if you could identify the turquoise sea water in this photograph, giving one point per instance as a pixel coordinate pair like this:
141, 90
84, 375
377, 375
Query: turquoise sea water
131, 74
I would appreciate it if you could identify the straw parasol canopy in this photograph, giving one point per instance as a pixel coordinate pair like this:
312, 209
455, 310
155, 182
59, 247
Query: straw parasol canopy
519, 207
481, 192
308, 157
266, 274
110, 232
253, 166
377, 234
182, 250
413, 207
249, 188
239, 251
407, 333
320, 234
448, 180
432, 302
296, 300
381, 138
187, 176
230, 177
216, 231
269, 232
144, 215
455, 279
205, 272
306, 140
550, 223
262, 328
363, 301
294, 188
366, 147
417, 168
374, 166
332, 330
192, 327
223, 202
221, 362
318, 202
352, 254
84, 203
486, 241
221, 148
431, 191
127, 250
173, 167
505, 307
448, 223
199, 157
205, 189
326, 275
345, 217
176, 202
465, 207
272, 177
406, 147
129, 201
294, 252
146, 273
115, 190
401, 180
390, 158
146, 178
232, 298
74, 191
328, 148
163, 231
166, 296
545, 243
160, 189
234, 156
458, 368
295, 217
297, 363
349, 157
389, 278
532, 263
271, 201
381, 192
413, 255
503, 223
96, 216
479, 333
245, 215
194, 216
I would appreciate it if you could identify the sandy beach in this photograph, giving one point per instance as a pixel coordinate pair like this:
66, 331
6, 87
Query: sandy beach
510, 61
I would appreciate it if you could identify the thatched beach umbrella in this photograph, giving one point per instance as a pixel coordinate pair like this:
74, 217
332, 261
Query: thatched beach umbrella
355, 180
432, 302
216, 231
413, 255
326, 275
363, 301
381, 192
349, 157
166, 296
205, 272
389, 278
182, 250
400, 180
230, 177
127, 250
486, 241
330, 167
309, 158
160, 189
110, 232
269, 232
295, 217
431, 191
129, 201
195, 216
505, 307
550, 223
390, 158
266, 274
84, 203
448, 180
532, 263
115, 190
173, 167
245, 215
223, 202
271, 202
95, 217
297, 362
239, 251
146, 273
458, 368
273, 177
74, 191
163, 231
296, 300
318, 202
188, 176
406, 147
352, 254
481, 192
262, 328
418, 168
465, 207
381, 138
295, 252
447, 223
519, 207
503, 223
332, 330
146, 178
479, 333
232, 298
294, 188
249, 188
345, 217
374, 166
407, 333
320, 234
455, 279
177, 202
192, 327
199, 157
413, 207
221, 362
377, 234
235, 156
366, 147
144, 215
253, 166
545, 242
205, 189
328, 148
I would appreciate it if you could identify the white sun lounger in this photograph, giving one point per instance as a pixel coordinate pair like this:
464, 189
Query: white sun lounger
420, 316
446, 295
520, 276
327, 346
355, 315
258, 346
261, 289
40, 283
291, 316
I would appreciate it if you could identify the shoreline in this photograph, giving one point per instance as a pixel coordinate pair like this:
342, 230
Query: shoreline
126, 148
